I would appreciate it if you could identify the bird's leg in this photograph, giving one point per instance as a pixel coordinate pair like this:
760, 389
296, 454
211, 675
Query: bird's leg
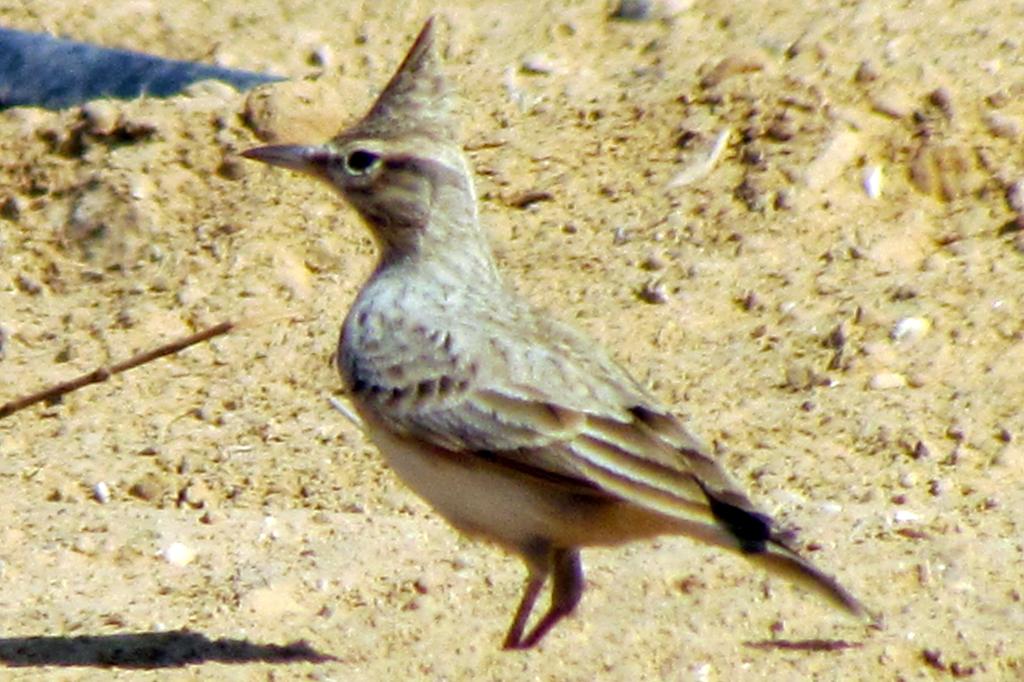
534, 583
566, 591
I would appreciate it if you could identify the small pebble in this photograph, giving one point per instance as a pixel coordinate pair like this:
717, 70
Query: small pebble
1015, 196
322, 55
998, 99
917, 379
63, 492
653, 262
872, 181
231, 168
150, 487
295, 110
208, 89
867, 71
733, 65
632, 10
830, 507
1003, 125
28, 284
782, 129
887, 380
893, 103
751, 301
905, 516
196, 495
910, 329
101, 492
653, 292
178, 554
270, 530
943, 99
801, 377
537, 65
528, 198
101, 117
11, 208
752, 193
789, 310
783, 199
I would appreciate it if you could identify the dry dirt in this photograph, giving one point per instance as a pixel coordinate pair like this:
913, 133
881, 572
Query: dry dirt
836, 304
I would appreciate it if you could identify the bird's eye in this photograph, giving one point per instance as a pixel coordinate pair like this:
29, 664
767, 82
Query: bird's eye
361, 161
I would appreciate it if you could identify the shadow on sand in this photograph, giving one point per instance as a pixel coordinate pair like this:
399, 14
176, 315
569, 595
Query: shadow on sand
148, 650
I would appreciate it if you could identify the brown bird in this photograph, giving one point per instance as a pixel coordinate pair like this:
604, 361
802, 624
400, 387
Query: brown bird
516, 428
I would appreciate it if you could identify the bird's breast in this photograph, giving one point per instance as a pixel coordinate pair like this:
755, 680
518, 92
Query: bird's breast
401, 350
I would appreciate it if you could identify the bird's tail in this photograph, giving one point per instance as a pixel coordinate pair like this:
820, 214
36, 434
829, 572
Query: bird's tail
753, 532
781, 560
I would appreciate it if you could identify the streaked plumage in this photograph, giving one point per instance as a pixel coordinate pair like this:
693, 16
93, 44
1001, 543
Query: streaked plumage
515, 427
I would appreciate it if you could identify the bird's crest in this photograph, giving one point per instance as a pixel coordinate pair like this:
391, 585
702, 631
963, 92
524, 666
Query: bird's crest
415, 101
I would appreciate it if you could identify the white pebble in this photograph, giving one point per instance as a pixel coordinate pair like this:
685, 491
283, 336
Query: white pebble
178, 554
872, 181
886, 380
789, 309
1015, 196
101, 492
830, 507
702, 672
537, 64
905, 516
910, 329
270, 531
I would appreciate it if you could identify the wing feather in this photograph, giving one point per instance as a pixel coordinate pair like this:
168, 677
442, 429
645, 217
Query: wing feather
554, 406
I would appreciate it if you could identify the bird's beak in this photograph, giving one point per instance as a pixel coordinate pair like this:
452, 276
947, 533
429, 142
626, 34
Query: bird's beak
310, 160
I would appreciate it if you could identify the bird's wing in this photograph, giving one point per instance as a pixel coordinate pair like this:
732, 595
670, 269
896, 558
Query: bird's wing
549, 402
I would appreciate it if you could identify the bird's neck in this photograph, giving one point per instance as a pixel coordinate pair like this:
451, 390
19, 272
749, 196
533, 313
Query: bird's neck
450, 248
448, 254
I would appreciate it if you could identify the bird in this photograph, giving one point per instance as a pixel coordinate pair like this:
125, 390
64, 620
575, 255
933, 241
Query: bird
517, 428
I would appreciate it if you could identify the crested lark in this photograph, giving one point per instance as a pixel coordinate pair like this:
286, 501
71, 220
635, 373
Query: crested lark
516, 428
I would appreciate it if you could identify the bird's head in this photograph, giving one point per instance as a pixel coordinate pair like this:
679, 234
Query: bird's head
401, 166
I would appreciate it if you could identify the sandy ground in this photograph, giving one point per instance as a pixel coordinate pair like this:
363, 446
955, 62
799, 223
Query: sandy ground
835, 303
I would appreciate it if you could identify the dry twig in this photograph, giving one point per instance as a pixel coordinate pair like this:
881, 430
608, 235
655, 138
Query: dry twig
52, 393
